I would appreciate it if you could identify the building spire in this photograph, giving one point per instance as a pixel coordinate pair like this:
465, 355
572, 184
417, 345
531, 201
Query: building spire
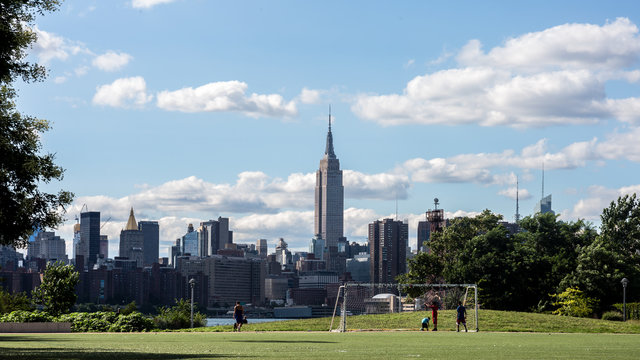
517, 202
542, 180
328, 151
131, 224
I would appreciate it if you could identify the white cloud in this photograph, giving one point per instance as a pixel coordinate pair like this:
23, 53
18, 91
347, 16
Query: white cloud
50, 46
554, 77
513, 192
225, 96
81, 71
125, 92
309, 96
59, 79
600, 197
111, 61
147, 4
611, 46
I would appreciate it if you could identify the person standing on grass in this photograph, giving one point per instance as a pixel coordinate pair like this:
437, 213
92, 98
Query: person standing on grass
434, 313
462, 313
238, 315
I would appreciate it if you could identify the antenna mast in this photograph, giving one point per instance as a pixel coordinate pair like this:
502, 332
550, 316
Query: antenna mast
517, 202
542, 181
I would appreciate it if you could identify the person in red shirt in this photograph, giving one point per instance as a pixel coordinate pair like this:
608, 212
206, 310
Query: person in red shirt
434, 313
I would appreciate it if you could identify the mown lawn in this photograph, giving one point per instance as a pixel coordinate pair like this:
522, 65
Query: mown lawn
319, 345
489, 320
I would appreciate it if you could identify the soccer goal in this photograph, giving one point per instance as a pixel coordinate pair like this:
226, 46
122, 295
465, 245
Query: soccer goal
355, 299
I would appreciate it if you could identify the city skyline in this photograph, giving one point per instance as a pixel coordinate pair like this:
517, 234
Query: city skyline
223, 113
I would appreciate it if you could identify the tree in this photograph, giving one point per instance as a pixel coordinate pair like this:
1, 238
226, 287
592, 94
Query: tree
12, 302
57, 292
621, 224
23, 167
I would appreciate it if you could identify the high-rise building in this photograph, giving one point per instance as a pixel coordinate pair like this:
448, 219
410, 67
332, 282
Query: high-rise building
151, 242
329, 197
317, 248
387, 250
214, 235
283, 255
262, 248
132, 241
48, 246
104, 246
90, 236
190, 242
544, 206
78, 248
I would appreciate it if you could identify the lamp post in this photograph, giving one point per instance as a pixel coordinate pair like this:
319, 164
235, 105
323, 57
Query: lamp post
192, 283
624, 282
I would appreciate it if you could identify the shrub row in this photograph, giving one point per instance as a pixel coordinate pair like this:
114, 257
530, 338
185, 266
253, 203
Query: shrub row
633, 310
101, 321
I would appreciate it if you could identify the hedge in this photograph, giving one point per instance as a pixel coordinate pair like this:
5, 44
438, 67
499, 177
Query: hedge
633, 310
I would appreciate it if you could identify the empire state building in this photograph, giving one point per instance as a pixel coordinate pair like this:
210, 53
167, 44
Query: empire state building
329, 198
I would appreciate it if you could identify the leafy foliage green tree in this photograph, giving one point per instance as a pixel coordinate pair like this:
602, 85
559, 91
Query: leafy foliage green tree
57, 290
573, 302
22, 165
12, 302
612, 256
513, 272
179, 316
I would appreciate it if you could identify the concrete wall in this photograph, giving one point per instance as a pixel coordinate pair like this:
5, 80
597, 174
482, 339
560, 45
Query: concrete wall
36, 327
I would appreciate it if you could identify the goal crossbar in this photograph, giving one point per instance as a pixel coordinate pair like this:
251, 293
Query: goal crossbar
343, 290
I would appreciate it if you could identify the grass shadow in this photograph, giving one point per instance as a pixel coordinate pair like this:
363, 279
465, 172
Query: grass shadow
92, 354
6, 338
286, 341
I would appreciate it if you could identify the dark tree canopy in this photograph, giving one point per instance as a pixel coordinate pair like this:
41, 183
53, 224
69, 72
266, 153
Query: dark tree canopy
513, 271
16, 36
23, 167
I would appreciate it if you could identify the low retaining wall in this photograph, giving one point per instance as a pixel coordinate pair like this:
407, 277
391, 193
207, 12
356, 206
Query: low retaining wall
36, 327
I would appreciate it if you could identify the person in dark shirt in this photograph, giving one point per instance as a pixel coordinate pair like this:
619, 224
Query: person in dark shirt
238, 315
462, 313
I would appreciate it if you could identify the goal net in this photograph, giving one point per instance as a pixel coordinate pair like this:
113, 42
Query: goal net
356, 300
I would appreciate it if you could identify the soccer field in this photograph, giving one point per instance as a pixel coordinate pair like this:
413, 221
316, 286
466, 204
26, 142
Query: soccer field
314, 345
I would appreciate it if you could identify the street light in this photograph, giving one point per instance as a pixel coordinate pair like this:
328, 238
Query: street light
624, 282
192, 283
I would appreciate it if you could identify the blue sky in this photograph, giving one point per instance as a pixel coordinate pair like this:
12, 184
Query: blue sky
188, 110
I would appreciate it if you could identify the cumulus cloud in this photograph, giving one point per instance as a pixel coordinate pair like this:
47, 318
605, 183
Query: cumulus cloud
600, 197
513, 193
225, 96
309, 96
50, 46
147, 4
125, 92
111, 61
610, 46
554, 77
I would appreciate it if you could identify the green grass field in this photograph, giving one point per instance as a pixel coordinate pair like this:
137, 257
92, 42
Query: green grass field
489, 320
319, 345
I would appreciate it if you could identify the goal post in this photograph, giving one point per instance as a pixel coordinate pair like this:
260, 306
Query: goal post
354, 299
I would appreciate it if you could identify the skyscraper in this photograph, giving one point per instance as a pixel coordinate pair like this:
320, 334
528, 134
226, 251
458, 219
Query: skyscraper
151, 242
104, 246
214, 235
329, 196
132, 241
90, 235
387, 248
